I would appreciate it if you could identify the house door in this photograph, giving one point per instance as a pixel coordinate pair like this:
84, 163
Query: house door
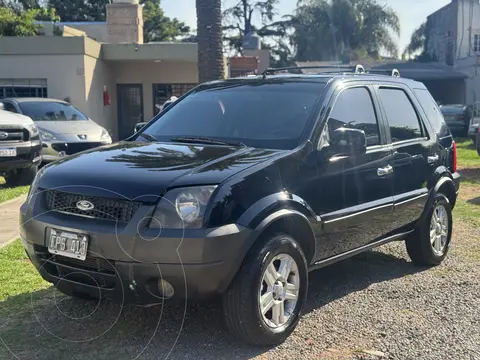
130, 108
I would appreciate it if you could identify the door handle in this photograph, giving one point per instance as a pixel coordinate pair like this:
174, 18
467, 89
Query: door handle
385, 171
433, 159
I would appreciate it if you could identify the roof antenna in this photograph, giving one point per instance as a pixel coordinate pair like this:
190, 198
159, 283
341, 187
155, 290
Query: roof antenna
395, 73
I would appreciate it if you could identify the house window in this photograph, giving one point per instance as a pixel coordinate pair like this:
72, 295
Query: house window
163, 92
476, 43
16, 90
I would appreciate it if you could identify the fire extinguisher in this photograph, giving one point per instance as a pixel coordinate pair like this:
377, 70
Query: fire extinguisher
106, 97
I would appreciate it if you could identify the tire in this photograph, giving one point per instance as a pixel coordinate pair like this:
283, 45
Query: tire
21, 177
241, 301
420, 246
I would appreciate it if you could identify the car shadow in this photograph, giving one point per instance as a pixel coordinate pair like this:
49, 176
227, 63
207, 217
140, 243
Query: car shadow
474, 201
56, 325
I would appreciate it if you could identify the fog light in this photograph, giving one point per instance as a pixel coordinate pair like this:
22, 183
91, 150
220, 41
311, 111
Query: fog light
165, 288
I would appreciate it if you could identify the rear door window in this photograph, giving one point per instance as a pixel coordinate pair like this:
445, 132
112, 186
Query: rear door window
432, 111
401, 115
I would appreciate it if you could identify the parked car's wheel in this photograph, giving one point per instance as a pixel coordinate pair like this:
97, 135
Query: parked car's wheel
263, 304
430, 243
21, 177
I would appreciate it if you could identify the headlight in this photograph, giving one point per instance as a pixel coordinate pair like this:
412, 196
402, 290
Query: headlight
105, 135
46, 136
183, 208
33, 129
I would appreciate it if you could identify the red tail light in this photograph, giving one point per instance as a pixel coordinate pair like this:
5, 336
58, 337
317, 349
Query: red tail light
454, 157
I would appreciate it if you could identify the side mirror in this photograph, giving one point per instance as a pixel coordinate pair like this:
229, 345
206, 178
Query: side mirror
348, 142
2, 107
139, 126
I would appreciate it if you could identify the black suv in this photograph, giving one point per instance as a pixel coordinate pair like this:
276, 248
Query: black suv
241, 188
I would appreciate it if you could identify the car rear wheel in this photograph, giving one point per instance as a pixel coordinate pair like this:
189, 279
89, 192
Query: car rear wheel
430, 243
21, 177
263, 304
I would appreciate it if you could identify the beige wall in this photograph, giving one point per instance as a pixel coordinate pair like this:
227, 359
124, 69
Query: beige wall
64, 74
149, 73
97, 75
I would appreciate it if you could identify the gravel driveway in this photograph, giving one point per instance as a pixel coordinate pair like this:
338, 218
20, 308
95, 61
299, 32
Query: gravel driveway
376, 305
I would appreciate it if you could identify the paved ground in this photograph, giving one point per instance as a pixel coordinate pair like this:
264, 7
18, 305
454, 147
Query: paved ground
9, 212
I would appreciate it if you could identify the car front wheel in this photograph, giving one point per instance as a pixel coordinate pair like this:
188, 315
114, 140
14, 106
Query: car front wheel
21, 177
263, 304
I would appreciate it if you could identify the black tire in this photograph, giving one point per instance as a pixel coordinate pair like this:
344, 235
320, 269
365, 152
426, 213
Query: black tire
21, 177
241, 300
419, 245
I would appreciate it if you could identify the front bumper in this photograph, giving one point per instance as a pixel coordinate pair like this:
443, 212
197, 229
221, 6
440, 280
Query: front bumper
197, 263
56, 150
28, 154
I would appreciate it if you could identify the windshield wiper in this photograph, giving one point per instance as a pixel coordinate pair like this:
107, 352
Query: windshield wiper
148, 137
206, 140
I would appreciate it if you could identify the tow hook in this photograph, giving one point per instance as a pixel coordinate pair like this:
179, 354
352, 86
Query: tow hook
133, 285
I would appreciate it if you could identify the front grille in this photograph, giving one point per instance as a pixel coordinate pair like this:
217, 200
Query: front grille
13, 133
73, 148
104, 208
93, 271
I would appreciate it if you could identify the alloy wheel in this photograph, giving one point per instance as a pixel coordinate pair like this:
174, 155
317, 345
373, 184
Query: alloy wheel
439, 230
279, 290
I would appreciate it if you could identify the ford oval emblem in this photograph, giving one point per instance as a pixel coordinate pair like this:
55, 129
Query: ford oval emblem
85, 205
3, 135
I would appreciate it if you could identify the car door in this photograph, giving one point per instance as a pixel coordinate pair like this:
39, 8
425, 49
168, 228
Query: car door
353, 193
414, 153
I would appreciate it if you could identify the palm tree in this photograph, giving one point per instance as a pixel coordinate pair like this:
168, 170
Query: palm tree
211, 64
328, 30
417, 41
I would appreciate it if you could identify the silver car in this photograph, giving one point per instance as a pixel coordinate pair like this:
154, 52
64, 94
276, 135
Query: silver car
64, 130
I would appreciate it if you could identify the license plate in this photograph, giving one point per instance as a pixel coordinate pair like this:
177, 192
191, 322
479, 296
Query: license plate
67, 244
8, 152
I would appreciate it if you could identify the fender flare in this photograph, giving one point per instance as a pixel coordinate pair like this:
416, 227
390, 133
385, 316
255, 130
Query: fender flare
276, 208
444, 180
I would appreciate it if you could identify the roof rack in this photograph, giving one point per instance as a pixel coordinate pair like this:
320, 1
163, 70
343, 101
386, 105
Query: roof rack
340, 69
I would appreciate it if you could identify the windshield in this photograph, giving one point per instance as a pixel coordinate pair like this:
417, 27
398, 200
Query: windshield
51, 111
258, 113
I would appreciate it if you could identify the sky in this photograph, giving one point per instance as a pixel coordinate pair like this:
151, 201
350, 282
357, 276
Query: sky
411, 12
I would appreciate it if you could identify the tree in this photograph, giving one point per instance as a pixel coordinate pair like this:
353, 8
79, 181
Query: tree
211, 65
23, 23
239, 19
80, 10
156, 26
328, 30
417, 41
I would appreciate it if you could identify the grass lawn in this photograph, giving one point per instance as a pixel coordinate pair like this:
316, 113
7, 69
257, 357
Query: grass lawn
8, 193
17, 274
467, 156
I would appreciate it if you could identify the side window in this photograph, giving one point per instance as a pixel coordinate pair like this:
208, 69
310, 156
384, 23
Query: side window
9, 107
353, 109
401, 115
434, 115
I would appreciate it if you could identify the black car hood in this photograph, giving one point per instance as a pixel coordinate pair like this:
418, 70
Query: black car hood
136, 169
